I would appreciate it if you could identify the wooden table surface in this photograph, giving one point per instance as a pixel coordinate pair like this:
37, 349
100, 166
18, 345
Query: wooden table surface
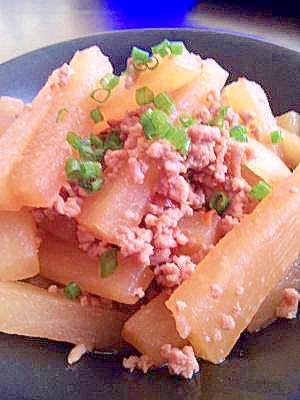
29, 24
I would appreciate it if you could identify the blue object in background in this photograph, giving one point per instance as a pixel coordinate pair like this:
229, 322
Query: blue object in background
148, 14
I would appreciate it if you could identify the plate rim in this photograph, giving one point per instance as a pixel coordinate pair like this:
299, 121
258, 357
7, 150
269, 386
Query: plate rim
221, 32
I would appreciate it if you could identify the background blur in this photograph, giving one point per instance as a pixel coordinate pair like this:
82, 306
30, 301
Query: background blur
28, 24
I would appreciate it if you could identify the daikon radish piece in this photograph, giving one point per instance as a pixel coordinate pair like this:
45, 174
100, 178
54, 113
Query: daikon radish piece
13, 142
189, 97
290, 146
200, 229
289, 121
120, 203
266, 164
10, 109
266, 313
244, 95
32, 311
62, 262
18, 246
230, 284
170, 74
151, 327
35, 181
60, 226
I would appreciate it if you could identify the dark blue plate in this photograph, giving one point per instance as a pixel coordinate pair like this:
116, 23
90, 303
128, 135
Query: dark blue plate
262, 366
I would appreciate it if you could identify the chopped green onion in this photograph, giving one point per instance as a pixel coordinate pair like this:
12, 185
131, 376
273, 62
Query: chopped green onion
72, 169
219, 202
218, 120
239, 133
139, 56
113, 141
163, 48
276, 137
86, 151
178, 138
164, 103
100, 95
176, 48
109, 81
61, 115
92, 185
140, 67
96, 141
160, 122
260, 190
72, 290
144, 95
167, 47
74, 140
89, 170
108, 262
152, 63
149, 128
186, 120
96, 115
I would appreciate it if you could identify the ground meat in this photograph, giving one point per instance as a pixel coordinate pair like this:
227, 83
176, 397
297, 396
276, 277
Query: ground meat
203, 139
88, 243
142, 363
136, 242
226, 224
180, 362
165, 230
289, 304
71, 207
172, 274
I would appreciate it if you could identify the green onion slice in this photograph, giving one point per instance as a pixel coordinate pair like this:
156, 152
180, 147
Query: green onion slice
113, 141
160, 122
72, 290
72, 169
139, 56
178, 138
91, 185
167, 47
218, 120
140, 67
164, 103
144, 95
276, 137
61, 115
152, 63
109, 81
96, 142
89, 170
100, 95
186, 120
176, 48
86, 151
162, 48
96, 115
74, 140
108, 262
260, 190
219, 202
149, 128
239, 133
